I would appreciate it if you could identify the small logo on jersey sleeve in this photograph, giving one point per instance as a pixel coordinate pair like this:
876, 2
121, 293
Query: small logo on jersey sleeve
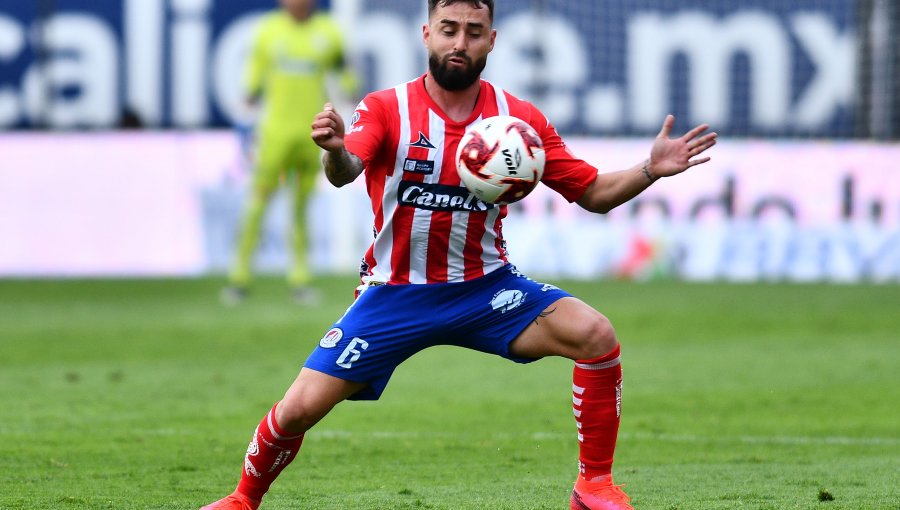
357, 113
331, 338
507, 300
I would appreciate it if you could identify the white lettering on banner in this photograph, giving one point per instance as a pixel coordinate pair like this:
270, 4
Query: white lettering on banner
562, 67
190, 46
710, 46
202, 68
82, 54
12, 42
144, 51
835, 61
392, 44
230, 54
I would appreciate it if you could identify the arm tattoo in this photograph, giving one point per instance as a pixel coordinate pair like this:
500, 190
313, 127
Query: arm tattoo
342, 168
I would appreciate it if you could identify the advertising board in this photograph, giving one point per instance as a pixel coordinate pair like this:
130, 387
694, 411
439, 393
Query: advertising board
168, 203
750, 68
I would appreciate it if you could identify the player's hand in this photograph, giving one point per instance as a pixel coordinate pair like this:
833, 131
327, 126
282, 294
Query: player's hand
328, 129
670, 156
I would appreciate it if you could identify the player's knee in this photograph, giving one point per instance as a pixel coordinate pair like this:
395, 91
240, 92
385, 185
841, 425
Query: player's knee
297, 416
599, 337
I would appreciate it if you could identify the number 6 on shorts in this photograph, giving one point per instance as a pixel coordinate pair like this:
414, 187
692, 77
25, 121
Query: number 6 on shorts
352, 352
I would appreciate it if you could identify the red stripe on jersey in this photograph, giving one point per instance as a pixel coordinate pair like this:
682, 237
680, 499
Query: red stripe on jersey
403, 219
474, 266
380, 121
490, 104
437, 267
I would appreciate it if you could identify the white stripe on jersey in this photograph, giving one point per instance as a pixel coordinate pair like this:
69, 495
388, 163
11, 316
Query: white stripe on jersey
455, 261
502, 105
421, 224
384, 242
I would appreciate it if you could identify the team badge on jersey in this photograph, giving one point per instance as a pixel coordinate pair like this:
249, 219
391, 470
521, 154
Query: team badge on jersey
423, 142
507, 300
361, 107
331, 338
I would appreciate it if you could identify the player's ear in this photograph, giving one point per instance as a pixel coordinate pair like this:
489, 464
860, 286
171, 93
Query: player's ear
425, 33
493, 38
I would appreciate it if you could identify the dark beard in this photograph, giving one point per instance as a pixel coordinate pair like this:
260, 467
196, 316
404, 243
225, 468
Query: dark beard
455, 79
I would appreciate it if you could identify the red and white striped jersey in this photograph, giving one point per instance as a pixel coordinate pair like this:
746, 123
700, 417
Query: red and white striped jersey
428, 227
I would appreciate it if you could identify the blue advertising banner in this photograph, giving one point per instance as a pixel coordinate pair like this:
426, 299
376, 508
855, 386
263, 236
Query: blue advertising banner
755, 67
750, 68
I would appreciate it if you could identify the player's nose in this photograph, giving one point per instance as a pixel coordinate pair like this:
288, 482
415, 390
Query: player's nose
460, 42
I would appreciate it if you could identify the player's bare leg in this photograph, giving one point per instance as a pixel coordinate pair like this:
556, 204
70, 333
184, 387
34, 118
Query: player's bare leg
574, 330
278, 436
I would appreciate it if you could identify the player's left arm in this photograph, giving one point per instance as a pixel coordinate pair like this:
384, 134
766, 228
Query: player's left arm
668, 157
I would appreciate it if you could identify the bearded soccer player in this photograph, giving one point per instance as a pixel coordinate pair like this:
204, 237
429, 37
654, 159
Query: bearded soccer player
449, 256
295, 49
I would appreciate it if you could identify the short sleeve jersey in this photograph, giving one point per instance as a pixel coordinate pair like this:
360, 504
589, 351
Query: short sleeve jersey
288, 65
428, 227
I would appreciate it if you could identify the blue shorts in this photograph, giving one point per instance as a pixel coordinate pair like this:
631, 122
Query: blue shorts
389, 323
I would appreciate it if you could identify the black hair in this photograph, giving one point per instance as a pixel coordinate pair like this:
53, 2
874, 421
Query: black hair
433, 4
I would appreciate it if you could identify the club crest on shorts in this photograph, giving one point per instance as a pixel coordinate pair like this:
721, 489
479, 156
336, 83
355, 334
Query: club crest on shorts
331, 338
506, 300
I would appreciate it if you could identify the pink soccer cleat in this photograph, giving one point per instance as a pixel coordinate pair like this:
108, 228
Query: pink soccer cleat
234, 501
599, 495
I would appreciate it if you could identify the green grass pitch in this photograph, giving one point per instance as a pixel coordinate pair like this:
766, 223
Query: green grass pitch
124, 394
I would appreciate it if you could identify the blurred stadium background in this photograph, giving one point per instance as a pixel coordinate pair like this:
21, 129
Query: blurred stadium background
117, 158
124, 384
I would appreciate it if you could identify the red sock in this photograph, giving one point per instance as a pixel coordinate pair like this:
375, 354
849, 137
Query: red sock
270, 451
597, 401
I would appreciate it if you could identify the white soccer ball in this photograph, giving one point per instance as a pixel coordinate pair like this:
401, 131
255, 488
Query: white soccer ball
500, 159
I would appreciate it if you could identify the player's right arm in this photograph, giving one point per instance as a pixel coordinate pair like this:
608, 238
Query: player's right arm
351, 150
341, 167
259, 62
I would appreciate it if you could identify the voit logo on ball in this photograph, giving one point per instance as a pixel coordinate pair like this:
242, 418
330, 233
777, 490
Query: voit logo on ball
507, 300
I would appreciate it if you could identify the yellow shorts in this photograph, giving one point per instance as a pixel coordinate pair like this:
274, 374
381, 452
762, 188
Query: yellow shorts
286, 155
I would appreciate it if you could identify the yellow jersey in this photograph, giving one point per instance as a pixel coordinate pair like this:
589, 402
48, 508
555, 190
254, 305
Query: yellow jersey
288, 65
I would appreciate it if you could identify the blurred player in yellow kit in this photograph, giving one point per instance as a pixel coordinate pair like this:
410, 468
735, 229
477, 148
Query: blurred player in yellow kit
295, 50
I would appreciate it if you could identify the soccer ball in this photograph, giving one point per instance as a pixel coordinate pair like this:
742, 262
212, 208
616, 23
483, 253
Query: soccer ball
500, 159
